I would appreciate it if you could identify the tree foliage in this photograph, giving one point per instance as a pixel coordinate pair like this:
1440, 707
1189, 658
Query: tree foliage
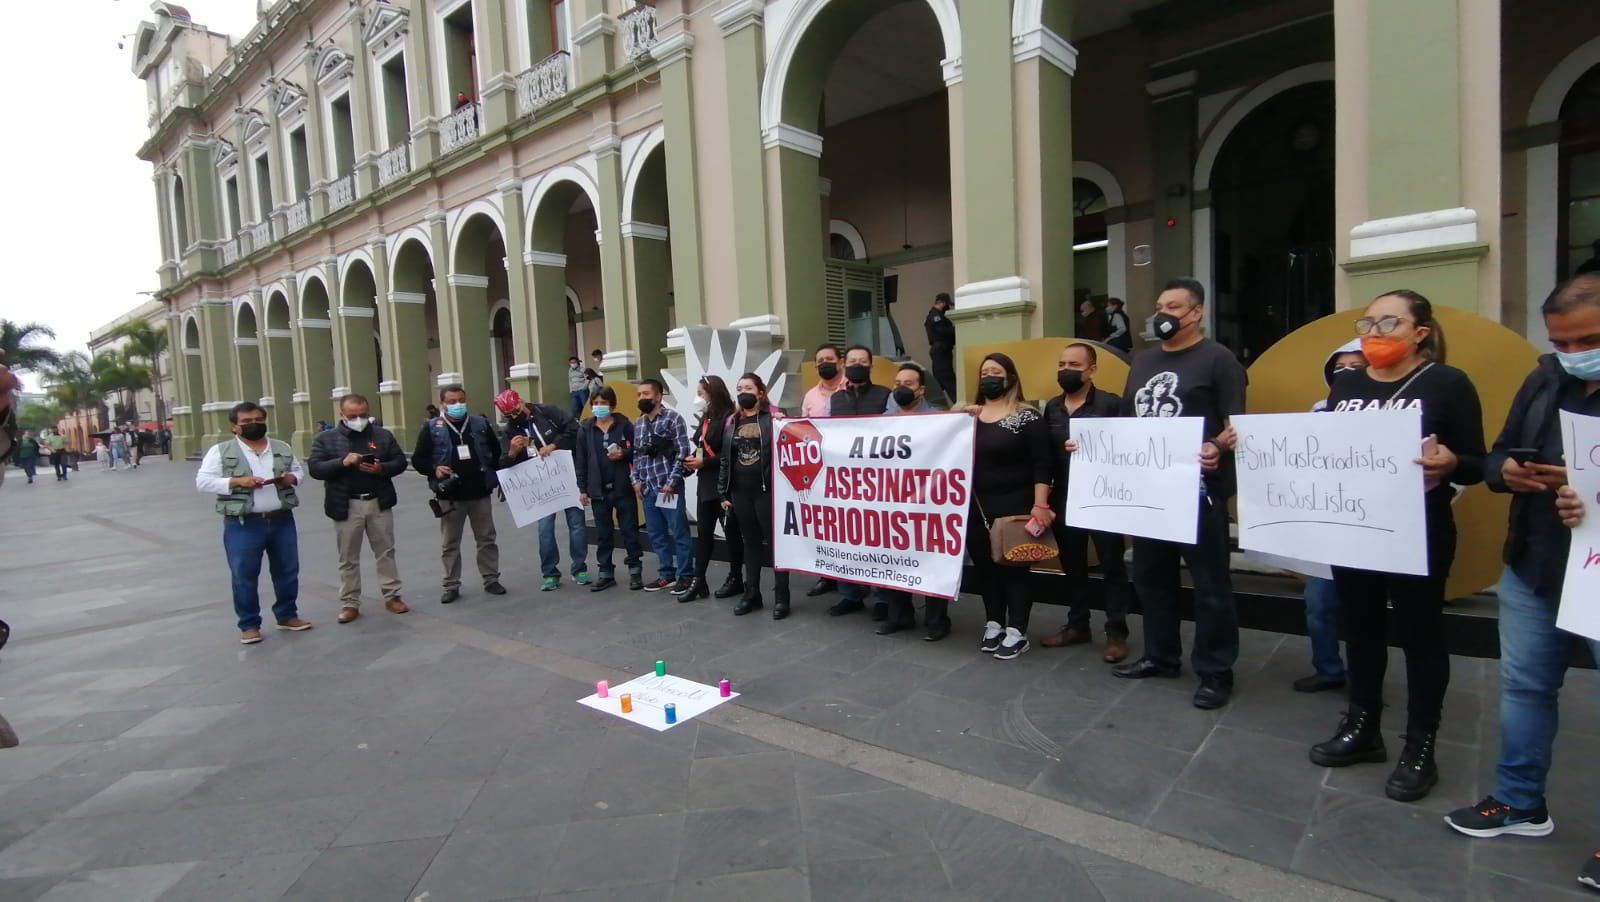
18, 342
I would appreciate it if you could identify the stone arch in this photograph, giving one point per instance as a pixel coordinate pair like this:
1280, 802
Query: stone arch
562, 248
852, 235
1246, 104
356, 331
416, 234
477, 275
180, 217
459, 218
359, 255
653, 139
313, 284
1542, 174
1116, 233
414, 320
552, 181
277, 357
314, 332
247, 349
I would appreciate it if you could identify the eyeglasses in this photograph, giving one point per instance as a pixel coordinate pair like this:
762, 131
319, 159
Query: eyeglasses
1384, 325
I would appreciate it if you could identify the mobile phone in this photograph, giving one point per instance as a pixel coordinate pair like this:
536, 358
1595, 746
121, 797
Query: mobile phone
1524, 456
369, 458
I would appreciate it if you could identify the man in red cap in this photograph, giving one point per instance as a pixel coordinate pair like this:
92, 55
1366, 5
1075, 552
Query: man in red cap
543, 429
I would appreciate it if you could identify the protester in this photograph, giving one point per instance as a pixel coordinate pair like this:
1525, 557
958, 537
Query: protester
1533, 652
27, 454
818, 402
942, 345
1119, 333
1081, 398
1321, 595
54, 444
1189, 375
358, 462
858, 397
457, 452
910, 397
1405, 351
577, 386
745, 486
660, 444
1012, 464
707, 460
605, 451
544, 429
253, 478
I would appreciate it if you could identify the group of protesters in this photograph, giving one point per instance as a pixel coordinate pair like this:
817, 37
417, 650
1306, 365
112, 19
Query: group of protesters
626, 467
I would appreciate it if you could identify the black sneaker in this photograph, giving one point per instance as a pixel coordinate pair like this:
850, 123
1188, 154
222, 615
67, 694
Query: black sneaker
658, 584
683, 585
1492, 817
1009, 650
635, 582
1590, 875
992, 634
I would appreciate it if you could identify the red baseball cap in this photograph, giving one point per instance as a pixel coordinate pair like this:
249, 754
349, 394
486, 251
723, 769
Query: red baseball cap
507, 401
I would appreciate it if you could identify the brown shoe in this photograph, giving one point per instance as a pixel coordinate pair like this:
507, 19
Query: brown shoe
348, 614
295, 625
395, 606
1116, 648
249, 637
1069, 635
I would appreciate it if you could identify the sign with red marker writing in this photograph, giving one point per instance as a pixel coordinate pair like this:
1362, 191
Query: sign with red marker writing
1580, 590
880, 501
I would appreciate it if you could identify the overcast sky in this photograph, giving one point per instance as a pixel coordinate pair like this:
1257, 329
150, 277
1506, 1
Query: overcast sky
81, 205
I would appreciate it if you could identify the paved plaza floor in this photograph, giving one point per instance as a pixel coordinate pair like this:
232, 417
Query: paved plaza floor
440, 755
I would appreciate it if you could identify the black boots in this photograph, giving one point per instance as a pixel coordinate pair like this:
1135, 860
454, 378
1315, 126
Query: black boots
750, 602
695, 589
1415, 773
733, 585
780, 604
1358, 740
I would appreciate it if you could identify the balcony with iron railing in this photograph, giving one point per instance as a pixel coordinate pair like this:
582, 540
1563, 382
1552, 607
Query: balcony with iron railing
638, 31
342, 193
298, 216
256, 236
460, 128
548, 80
230, 251
394, 163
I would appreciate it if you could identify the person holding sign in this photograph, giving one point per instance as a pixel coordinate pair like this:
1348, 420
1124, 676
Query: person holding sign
1527, 460
605, 451
1404, 348
1081, 398
1189, 375
910, 397
543, 429
458, 452
716, 407
745, 484
1011, 472
859, 397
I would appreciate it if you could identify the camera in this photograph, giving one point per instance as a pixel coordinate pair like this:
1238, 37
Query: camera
655, 445
444, 486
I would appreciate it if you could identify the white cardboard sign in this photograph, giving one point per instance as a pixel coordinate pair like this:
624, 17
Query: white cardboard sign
650, 696
1342, 489
1136, 476
1580, 588
539, 487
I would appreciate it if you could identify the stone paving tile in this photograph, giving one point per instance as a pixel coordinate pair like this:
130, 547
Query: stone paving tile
382, 871
27, 889
1282, 780
782, 885
147, 790
257, 878
1247, 832
619, 851
1124, 778
144, 883
490, 865
413, 810
1382, 847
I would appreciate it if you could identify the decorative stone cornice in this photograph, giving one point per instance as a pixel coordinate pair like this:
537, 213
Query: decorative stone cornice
672, 48
334, 67
347, 312
544, 258
1172, 85
387, 28
608, 146
466, 280
596, 26
407, 297
633, 229
794, 138
306, 323
523, 371
738, 15
1043, 44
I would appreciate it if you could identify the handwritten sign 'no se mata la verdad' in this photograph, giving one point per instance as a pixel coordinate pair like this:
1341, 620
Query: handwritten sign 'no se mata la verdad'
1580, 589
1335, 488
539, 487
1140, 477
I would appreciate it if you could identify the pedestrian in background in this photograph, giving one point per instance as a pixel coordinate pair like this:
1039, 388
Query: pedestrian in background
357, 462
941, 334
27, 454
253, 479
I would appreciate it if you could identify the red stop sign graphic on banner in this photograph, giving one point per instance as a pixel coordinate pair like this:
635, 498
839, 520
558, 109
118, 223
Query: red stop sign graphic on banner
800, 454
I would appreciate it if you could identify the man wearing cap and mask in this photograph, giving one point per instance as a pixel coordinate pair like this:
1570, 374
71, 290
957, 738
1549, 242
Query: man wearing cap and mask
942, 344
544, 429
357, 461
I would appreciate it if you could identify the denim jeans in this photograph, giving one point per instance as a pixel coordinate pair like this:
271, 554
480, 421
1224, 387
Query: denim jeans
1155, 581
1322, 625
611, 516
577, 544
1533, 664
578, 399
244, 540
669, 536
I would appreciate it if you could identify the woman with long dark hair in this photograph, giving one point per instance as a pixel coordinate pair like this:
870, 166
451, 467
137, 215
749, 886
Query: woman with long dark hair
716, 408
1404, 347
1013, 464
745, 485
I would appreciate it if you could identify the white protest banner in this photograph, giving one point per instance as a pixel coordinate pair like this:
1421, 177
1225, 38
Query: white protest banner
649, 695
1136, 476
1580, 588
875, 500
1334, 488
539, 487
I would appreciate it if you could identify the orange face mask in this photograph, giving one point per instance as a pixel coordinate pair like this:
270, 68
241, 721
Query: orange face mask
1384, 352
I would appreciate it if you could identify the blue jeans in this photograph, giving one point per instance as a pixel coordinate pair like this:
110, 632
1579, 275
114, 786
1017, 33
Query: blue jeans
244, 540
577, 544
669, 536
578, 399
1322, 625
1533, 664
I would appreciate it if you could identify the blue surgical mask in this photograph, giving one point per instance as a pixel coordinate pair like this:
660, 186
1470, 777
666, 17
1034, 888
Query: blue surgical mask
601, 411
1583, 365
455, 411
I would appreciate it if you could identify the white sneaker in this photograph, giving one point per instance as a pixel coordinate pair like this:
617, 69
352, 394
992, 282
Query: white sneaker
1014, 644
992, 634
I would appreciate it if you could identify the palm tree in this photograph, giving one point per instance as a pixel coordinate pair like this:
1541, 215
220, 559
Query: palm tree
112, 374
71, 383
20, 352
146, 343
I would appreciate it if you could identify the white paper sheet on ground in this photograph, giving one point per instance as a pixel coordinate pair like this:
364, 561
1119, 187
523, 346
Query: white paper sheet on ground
1279, 562
651, 694
1580, 589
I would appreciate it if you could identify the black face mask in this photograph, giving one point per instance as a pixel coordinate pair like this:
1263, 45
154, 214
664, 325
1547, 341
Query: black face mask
828, 371
1069, 380
646, 405
1166, 325
253, 432
747, 400
991, 386
858, 372
905, 397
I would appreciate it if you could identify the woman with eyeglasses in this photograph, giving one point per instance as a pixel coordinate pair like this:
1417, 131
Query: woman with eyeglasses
1404, 347
716, 411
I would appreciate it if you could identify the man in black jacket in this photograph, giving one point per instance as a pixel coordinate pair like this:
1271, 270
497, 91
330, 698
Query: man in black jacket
357, 463
858, 397
544, 429
460, 454
1527, 460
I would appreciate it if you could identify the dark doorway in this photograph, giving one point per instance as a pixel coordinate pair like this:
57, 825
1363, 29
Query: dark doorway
1272, 216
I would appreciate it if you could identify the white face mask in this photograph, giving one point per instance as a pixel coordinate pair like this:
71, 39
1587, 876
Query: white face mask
699, 402
357, 424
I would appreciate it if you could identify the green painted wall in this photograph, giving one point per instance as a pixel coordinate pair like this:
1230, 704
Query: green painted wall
1414, 135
